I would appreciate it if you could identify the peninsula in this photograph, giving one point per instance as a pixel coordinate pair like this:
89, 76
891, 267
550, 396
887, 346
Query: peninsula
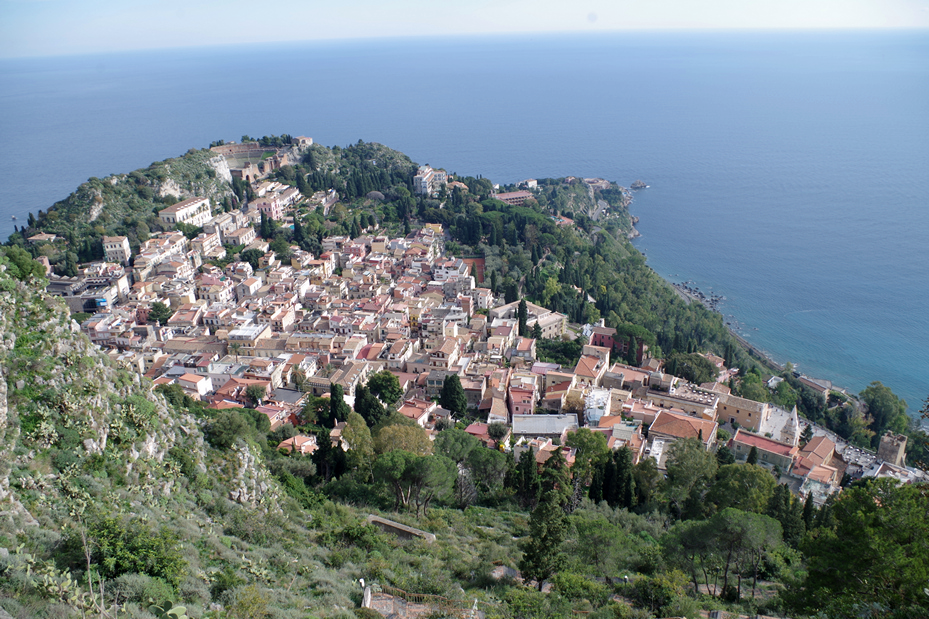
271, 378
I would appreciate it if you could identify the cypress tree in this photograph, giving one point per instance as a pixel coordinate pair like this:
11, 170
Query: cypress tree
329, 459
510, 292
595, 492
625, 486
453, 396
298, 232
529, 485
522, 315
809, 512
548, 524
792, 522
338, 409
609, 482
536, 331
548, 527
752, 456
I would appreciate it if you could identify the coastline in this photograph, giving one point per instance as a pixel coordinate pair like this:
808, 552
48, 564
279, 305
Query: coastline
693, 295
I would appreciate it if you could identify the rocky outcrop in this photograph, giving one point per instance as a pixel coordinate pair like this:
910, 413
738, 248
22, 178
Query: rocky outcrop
170, 188
251, 484
221, 166
73, 422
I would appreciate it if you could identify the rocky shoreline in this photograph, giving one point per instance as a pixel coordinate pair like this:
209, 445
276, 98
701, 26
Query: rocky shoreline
691, 293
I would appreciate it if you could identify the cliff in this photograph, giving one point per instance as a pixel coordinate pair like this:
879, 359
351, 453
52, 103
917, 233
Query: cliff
128, 204
83, 443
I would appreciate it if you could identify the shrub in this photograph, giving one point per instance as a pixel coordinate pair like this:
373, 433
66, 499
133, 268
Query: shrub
122, 546
250, 603
227, 428
576, 587
141, 588
225, 580
656, 592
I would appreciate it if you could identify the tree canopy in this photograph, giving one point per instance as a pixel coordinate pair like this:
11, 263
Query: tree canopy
877, 552
385, 386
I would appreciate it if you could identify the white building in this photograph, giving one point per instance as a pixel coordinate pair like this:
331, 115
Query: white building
116, 249
428, 181
192, 211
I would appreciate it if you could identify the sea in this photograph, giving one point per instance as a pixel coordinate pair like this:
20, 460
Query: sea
788, 171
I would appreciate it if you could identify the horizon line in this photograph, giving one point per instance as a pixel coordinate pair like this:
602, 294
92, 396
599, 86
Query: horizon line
475, 35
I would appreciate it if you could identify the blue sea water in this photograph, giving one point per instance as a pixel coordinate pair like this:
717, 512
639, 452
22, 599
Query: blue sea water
787, 171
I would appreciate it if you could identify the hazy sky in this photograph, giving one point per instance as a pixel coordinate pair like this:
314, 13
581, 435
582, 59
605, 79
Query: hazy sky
58, 27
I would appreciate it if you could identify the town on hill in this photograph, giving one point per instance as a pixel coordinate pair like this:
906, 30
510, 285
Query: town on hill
351, 328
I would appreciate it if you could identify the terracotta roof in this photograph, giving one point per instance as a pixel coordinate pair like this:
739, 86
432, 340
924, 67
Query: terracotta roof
763, 443
682, 426
587, 366
818, 450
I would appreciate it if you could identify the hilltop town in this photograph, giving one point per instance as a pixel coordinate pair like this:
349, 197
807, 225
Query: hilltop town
294, 326
271, 378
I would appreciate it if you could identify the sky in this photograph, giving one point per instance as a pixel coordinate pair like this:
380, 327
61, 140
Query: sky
67, 27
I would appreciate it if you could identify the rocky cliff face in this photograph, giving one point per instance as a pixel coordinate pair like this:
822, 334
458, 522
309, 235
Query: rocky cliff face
118, 204
84, 441
221, 166
80, 432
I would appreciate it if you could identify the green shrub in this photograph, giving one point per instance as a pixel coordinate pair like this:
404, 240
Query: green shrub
229, 426
63, 458
577, 587
225, 580
184, 460
141, 588
123, 546
656, 592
